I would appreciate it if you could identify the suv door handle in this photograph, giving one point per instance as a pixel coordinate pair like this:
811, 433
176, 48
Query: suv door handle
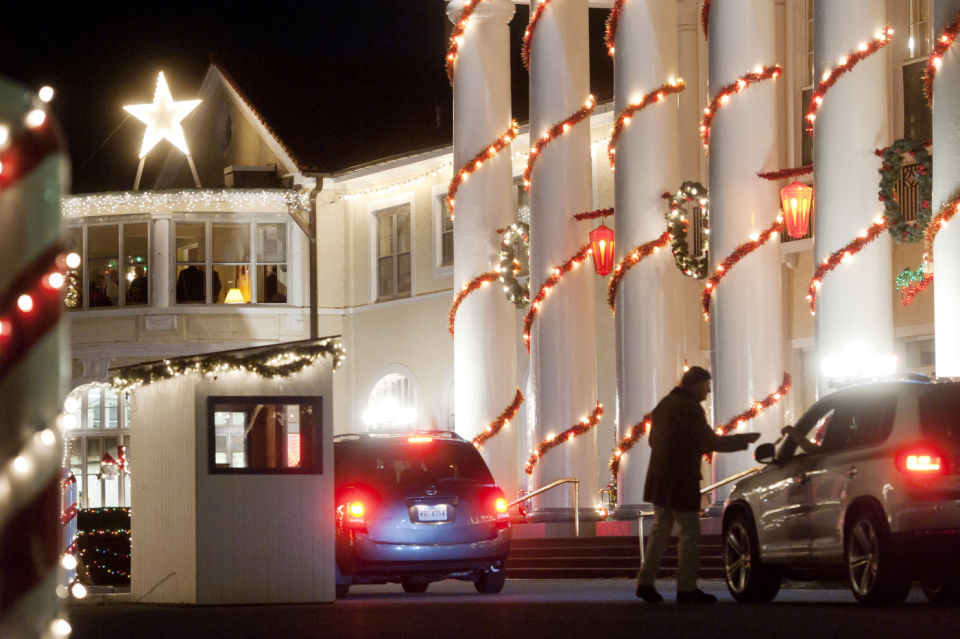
852, 472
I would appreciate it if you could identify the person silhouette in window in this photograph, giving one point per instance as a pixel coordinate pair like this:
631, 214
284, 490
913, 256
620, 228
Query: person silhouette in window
137, 293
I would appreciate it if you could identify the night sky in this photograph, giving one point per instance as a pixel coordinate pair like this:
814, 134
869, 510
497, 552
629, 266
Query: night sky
100, 56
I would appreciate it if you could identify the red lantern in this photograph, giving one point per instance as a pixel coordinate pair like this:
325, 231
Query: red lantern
797, 202
601, 241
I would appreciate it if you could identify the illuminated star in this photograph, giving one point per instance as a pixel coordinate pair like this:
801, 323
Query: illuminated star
162, 118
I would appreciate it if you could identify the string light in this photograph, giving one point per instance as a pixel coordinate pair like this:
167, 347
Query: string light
206, 200
731, 260
610, 35
558, 272
554, 132
754, 410
456, 36
633, 435
845, 64
501, 422
944, 41
723, 96
477, 161
531, 28
625, 117
834, 259
581, 427
475, 284
636, 256
396, 186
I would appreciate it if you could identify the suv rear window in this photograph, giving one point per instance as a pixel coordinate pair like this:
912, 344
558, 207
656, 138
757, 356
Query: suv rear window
399, 462
940, 413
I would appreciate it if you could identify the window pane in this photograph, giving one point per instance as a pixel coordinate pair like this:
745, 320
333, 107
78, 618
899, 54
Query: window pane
250, 435
917, 118
403, 231
190, 243
403, 273
447, 255
73, 287
94, 452
75, 461
229, 277
191, 284
231, 243
385, 277
385, 235
111, 409
272, 243
806, 140
272, 284
93, 408
110, 480
103, 256
136, 251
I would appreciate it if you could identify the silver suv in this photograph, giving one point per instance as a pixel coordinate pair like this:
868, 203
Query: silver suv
414, 508
866, 485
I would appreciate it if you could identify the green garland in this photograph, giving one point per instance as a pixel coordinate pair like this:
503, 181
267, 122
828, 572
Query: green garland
265, 363
890, 168
678, 222
514, 256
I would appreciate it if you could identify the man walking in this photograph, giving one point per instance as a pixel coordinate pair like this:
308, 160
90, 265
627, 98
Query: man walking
679, 438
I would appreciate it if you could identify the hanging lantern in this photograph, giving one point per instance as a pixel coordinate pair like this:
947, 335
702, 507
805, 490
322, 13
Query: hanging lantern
601, 241
797, 202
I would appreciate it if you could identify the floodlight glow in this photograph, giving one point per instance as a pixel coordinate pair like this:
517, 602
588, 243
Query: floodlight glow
162, 117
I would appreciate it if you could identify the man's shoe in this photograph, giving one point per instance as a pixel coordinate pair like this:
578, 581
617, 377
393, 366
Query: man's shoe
695, 596
649, 594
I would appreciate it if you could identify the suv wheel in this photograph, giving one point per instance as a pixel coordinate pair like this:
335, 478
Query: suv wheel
871, 565
490, 582
748, 579
414, 586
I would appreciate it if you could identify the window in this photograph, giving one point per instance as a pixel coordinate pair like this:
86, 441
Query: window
393, 252
392, 403
229, 272
917, 117
116, 257
808, 11
97, 446
920, 41
261, 435
446, 232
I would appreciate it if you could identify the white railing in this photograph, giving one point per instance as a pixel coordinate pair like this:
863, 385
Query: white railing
559, 482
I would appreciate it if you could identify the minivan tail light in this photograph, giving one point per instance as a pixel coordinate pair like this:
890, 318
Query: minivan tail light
922, 460
419, 440
500, 509
354, 516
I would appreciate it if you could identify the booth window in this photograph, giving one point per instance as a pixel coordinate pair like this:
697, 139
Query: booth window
263, 435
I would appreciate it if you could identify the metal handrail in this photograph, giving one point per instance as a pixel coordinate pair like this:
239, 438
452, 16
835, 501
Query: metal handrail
576, 499
735, 477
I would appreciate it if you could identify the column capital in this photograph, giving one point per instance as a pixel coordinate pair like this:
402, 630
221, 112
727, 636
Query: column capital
501, 10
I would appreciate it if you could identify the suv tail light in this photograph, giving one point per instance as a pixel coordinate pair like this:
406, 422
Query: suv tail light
922, 461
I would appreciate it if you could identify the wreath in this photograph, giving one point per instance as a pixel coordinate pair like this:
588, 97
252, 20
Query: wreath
514, 256
891, 166
692, 199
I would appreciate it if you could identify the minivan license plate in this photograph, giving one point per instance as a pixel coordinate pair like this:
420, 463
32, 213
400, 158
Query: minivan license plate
436, 512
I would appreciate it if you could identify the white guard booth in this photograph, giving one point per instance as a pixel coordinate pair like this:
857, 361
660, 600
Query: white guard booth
233, 475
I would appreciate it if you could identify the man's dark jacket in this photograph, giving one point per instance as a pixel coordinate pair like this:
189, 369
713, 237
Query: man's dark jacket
680, 437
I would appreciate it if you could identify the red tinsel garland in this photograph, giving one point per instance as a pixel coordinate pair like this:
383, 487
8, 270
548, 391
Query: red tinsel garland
592, 215
610, 35
471, 286
556, 131
723, 96
946, 213
753, 411
705, 18
907, 294
528, 34
944, 41
497, 425
738, 254
558, 272
629, 261
625, 116
581, 427
796, 171
456, 36
633, 435
834, 259
846, 64
477, 161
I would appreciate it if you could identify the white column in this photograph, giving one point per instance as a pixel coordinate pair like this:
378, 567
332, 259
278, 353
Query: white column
486, 326
854, 320
946, 166
647, 320
746, 332
562, 349
162, 264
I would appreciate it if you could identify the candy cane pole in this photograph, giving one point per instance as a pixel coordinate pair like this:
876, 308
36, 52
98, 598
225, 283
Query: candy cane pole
32, 176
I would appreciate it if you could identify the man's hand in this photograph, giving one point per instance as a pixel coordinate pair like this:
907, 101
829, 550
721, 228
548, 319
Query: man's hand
752, 437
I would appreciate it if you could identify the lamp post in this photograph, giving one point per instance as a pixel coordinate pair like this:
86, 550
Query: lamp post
797, 201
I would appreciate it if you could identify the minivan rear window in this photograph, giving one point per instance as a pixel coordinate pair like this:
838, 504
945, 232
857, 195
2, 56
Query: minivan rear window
940, 413
401, 462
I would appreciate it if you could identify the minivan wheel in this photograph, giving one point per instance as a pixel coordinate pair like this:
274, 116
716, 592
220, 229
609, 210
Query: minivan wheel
414, 586
748, 579
871, 565
940, 588
490, 582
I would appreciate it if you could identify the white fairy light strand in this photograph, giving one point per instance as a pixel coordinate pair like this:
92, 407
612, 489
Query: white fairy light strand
395, 186
193, 200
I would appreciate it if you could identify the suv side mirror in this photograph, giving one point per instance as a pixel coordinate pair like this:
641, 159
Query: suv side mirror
764, 453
